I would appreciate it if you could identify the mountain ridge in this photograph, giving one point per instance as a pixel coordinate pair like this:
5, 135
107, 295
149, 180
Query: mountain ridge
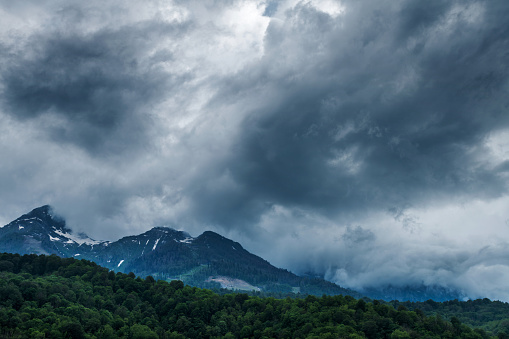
208, 260
161, 252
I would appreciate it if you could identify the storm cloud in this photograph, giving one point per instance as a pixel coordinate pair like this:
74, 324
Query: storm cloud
366, 141
94, 90
368, 123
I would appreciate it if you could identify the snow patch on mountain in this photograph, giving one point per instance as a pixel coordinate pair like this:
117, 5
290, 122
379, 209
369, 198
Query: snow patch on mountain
77, 239
29, 219
155, 245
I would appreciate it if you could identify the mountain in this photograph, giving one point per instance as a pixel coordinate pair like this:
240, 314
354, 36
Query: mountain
209, 260
413, 293
42, 232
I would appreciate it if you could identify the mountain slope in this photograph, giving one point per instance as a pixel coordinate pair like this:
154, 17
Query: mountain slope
205, 261
414, 293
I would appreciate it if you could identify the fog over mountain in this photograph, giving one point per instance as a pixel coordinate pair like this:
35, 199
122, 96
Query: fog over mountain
367, 141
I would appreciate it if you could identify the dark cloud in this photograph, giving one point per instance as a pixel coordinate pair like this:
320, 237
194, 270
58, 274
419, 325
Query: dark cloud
416, 16
359, 126
93, 90
358, 234
271, 8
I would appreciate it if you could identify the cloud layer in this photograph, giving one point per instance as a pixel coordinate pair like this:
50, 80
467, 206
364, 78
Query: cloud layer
367, 141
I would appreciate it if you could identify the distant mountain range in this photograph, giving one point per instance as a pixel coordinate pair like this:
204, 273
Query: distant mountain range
209, 260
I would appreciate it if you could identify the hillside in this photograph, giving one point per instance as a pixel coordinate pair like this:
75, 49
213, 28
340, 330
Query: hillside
47, 296
414, 293
492, 316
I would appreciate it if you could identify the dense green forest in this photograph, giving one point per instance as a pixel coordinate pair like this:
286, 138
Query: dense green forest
50, 297
492, 316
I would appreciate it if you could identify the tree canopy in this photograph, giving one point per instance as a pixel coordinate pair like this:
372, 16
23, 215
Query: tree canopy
51, 297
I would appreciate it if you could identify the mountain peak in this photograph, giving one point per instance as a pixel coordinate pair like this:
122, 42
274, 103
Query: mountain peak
43, 216
165, 230
45, 209
211, 234
210, 238
42, 227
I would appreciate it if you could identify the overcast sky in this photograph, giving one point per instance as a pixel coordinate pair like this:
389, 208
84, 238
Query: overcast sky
364, 140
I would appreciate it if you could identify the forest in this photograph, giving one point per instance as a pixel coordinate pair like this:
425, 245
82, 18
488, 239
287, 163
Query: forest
52, 297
